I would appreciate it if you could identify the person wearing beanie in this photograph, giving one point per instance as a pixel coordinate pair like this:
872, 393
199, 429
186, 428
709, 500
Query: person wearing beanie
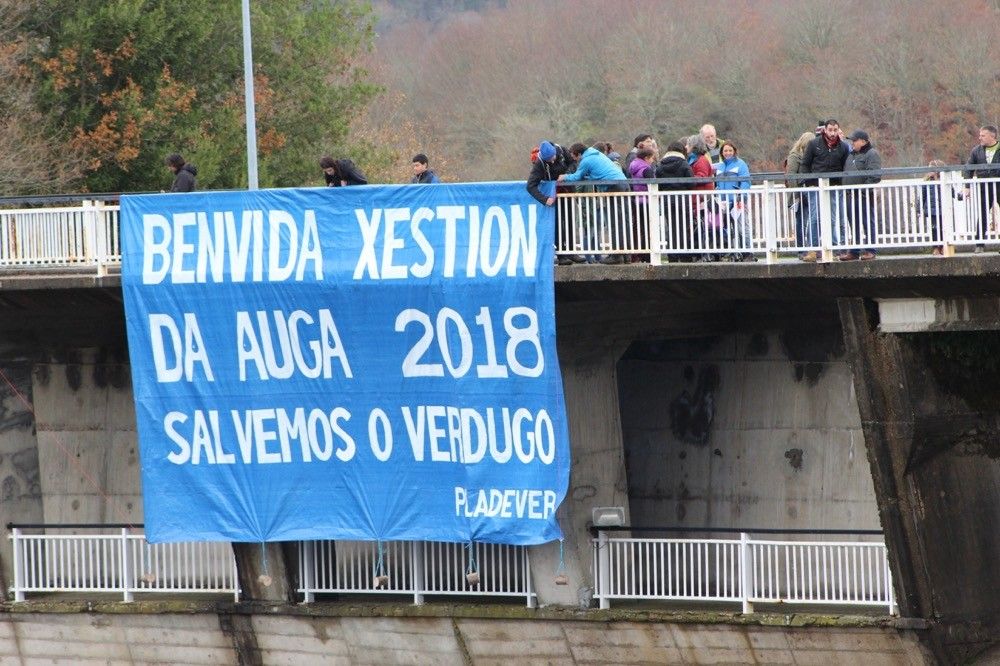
422, 174
553, 161
546, 151
184, 173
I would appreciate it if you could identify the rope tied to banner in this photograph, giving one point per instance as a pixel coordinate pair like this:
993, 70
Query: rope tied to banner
379, 577
265, 578
146, 554
561, 577
472, 571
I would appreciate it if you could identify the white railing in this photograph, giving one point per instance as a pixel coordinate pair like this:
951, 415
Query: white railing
414, 568
122, 562
772, 221
768, 221
743, 571
67, 236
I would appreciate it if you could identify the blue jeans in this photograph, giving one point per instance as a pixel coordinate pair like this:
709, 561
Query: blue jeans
836, 206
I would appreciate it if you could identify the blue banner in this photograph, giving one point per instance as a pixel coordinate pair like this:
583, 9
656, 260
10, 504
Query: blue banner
372, 362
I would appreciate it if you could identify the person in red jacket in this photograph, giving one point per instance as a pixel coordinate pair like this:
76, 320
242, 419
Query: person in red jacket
706, 217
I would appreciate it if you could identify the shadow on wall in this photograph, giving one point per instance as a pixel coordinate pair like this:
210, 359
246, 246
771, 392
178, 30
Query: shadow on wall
692, 412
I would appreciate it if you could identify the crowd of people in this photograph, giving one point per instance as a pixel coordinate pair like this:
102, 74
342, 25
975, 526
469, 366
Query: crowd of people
718, 166
716, 163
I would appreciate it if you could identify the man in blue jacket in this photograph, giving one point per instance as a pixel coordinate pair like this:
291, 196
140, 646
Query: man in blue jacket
595, 165
421, 173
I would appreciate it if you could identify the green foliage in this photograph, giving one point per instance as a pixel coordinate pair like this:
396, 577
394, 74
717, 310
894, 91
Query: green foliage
135, 80
970, 350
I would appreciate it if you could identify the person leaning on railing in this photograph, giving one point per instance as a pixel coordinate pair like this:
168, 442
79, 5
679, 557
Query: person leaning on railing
985, 153
595, 165
551, 162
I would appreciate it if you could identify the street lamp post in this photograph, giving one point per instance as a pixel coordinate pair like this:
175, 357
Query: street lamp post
248, 95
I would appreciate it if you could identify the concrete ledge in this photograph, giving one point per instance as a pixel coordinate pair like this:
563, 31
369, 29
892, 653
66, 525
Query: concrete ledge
465, 611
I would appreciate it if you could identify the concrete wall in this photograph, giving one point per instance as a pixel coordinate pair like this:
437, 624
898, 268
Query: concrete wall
745, 430
81, 639
20, 486
68, 449
597, 476
88, 454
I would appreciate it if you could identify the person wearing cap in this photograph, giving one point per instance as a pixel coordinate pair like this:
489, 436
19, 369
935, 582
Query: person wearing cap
422, 174
861, 200
987, 152
553, 161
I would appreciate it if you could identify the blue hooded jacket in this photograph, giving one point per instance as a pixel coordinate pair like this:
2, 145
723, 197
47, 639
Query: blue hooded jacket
595, 165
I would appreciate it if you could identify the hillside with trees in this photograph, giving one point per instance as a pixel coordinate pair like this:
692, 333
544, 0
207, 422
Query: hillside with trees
94, 94
488, 80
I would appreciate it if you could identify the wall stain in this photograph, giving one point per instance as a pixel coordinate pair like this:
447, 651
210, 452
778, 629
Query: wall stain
16, 417
25, 463
794, 458
810, 351
692, 412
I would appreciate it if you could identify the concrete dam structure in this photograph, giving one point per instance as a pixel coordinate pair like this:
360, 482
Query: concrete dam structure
851, 397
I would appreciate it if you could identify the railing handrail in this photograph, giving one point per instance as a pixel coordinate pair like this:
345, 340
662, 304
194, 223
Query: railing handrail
74, 526
594, 529
761, 176
756, 176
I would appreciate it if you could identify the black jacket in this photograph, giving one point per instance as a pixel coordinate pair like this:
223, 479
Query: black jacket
542, 171
184, 179
427, 177
821, 158
347, 172
673, 165
866, 159
978, 156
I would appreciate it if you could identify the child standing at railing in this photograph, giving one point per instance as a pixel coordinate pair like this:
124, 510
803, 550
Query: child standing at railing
930, 204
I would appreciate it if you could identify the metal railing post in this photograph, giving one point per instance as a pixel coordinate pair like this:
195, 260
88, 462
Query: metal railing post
530, 593
235, 573
18, 564
307, 550
745, 572
770, 223
89, 232
947, 184
654, 222
100, 237
891, 593
417, 571
825, 219
127, 583
603, 570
